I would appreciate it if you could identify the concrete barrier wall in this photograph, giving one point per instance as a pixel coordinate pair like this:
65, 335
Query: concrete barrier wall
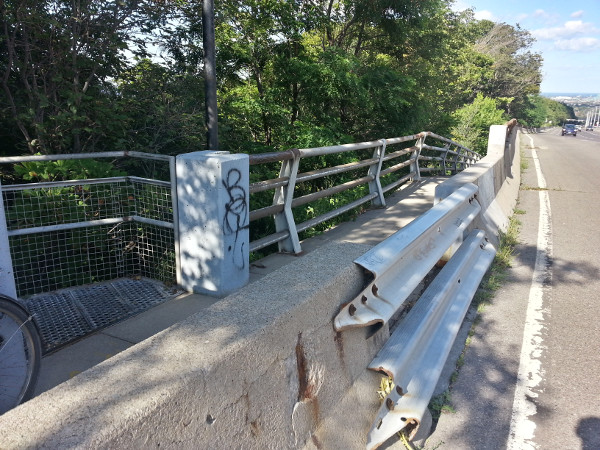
262, 368
259, 369
498, 176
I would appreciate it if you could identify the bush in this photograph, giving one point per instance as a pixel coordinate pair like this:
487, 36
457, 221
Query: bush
472, 123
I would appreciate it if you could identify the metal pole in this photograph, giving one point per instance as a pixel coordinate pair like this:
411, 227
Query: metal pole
587, 119
210, 77
7, 275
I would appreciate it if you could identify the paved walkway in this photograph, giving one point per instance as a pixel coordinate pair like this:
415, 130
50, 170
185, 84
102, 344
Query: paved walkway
369, 228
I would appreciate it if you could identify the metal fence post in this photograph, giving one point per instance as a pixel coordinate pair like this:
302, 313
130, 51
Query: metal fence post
7, 279
374, 170
457, 160
284, 221
213, 206
175, 206
445, 158
414, 165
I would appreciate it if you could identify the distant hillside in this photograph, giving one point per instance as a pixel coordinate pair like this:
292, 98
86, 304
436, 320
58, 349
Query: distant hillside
581, 103
569, 95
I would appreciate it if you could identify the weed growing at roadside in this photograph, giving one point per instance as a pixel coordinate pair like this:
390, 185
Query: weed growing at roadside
441, 404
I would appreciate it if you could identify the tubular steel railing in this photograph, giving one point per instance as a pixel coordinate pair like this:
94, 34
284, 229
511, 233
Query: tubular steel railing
376, 167
67, 233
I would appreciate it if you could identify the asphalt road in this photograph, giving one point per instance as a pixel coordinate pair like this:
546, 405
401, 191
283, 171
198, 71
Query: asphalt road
531, 373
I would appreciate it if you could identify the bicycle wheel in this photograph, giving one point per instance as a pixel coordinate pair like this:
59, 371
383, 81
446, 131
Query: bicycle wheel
20, 351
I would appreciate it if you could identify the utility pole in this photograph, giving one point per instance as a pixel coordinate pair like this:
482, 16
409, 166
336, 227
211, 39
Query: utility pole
210, 75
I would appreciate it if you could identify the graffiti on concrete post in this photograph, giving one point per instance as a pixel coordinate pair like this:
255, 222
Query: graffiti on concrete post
236, 215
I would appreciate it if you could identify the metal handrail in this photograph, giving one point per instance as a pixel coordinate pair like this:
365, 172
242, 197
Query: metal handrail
450, 158
66, 156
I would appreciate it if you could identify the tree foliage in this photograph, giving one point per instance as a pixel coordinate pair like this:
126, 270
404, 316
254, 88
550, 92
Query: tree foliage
58, 62
76, 76
539, 111
473, 122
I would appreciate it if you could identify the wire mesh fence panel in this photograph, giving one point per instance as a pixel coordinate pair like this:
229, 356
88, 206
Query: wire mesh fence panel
48, 261
152, 201
48, 205
72, 233
155, 250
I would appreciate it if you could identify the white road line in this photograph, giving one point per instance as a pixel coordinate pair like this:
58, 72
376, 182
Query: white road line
522, 427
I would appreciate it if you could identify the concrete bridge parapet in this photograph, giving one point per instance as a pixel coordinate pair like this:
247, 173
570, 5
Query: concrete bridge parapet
261, 368
498, 176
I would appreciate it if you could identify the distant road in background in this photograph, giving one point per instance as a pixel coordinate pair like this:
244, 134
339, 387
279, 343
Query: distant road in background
531, 375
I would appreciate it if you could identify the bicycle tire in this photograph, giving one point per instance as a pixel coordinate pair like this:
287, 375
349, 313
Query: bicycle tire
20, 354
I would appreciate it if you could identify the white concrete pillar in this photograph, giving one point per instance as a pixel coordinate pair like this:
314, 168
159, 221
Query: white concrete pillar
7, 279
213, 201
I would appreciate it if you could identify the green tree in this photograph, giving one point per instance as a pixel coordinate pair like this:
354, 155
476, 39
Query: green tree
162, 110
473, 122
516, 68
539, 111
58, 60
291, 73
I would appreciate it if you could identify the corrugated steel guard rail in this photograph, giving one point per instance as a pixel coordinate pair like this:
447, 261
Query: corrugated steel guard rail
441, 155
416, 352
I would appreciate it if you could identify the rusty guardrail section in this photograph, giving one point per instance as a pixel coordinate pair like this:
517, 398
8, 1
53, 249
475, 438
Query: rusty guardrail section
417, 350
415, 354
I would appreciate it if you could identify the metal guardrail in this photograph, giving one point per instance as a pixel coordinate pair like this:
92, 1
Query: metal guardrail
399, 263
417, 350
415, 354
101, 229
382, 171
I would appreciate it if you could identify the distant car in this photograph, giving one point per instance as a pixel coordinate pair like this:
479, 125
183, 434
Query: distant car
578, 127
569, 128
589, 128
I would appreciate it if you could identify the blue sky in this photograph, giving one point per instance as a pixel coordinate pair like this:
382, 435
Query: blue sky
567, 35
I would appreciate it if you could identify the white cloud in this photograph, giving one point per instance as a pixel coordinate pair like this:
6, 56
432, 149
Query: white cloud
484, 15
577, 14
570, 28
548, 18
578, 44
521, 17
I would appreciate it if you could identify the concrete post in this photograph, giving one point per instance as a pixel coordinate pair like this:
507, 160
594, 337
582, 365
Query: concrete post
7, 278
213, 200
